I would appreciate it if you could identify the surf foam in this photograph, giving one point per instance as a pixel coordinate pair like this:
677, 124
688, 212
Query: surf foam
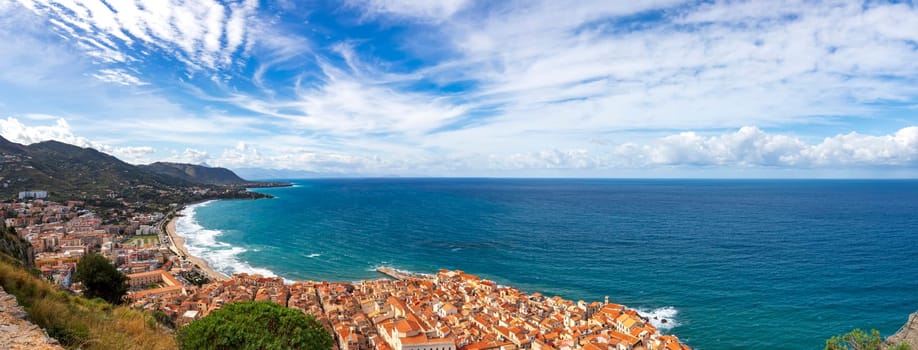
202, 242
658, 315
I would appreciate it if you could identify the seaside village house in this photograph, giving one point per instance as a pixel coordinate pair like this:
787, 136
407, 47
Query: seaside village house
167, 284
403, 332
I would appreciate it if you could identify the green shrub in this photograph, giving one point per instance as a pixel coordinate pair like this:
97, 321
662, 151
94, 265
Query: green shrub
101, 279
255, 325
860, 340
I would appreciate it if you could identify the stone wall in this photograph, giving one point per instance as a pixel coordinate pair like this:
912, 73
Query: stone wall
16, 332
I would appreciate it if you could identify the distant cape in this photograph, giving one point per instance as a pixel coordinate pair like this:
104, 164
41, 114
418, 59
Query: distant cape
75, 172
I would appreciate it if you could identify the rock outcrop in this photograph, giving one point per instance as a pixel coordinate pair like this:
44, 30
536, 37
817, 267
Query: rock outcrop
908, 334
16, 332
16, 247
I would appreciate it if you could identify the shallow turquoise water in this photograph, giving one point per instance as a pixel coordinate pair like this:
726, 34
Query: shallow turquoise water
739, 264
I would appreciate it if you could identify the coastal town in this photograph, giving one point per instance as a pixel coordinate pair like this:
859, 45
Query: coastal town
449, 310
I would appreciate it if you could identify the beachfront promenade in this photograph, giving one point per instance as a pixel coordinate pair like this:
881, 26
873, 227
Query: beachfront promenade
177, 246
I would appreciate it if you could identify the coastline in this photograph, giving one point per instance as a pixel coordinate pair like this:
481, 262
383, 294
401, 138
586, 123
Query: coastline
177, 244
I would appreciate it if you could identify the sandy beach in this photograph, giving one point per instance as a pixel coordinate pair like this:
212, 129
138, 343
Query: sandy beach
178, 246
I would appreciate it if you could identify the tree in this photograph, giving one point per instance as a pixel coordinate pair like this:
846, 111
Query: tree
163, 319
860, 340
255, 325
101, 279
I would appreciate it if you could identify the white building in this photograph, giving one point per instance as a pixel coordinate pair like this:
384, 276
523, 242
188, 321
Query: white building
33, 194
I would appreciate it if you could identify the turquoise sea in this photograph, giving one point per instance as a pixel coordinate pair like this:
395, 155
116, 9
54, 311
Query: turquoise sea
737, 264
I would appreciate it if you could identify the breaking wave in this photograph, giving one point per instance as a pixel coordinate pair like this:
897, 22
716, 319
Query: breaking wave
202, 242
663, 318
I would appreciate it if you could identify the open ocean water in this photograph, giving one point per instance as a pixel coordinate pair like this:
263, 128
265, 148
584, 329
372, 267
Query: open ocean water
751, 264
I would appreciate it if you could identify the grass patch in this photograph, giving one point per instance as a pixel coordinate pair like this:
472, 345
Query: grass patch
143, 240
80, 323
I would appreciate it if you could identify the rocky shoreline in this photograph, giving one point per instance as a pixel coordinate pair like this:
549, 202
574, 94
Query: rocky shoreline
908, 334
16, 332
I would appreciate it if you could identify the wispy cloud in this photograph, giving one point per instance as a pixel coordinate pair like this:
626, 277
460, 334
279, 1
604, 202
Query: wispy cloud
202, 34
352, 103
435, 11
119, 76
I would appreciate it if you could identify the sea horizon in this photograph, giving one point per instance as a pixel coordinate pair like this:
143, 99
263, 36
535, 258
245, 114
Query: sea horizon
232, 236
686, 178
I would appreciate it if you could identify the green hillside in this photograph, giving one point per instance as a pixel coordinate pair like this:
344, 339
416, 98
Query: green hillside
70, 172
198, 174
79, 323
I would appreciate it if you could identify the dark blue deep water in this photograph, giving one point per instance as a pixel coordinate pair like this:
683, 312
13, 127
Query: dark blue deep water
754, 264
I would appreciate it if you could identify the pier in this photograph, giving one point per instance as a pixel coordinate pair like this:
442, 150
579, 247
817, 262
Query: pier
397, 274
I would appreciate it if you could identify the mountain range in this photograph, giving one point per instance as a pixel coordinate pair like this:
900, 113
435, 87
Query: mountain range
200, 174
68, 171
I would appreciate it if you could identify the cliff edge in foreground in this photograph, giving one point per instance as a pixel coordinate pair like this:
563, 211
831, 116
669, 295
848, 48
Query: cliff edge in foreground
908, 334
16, 332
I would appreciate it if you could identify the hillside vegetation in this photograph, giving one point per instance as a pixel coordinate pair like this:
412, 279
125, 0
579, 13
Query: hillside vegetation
196, 173
72, 172
255, 325
16, 247
80, 323
68, 172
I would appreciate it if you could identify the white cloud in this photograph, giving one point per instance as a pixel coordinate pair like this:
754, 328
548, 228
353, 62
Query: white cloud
39, 116
543, 79
14, 130
202, 34
900, 148
353, 104
190, 156
131, 154
195, 156
549, 75
546, 159
435, 11
752, 147
556, 65
747, 148
42, 79
119, 76
244, 154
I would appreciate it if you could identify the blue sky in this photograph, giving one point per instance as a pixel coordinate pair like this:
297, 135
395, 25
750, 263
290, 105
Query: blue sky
472, 88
